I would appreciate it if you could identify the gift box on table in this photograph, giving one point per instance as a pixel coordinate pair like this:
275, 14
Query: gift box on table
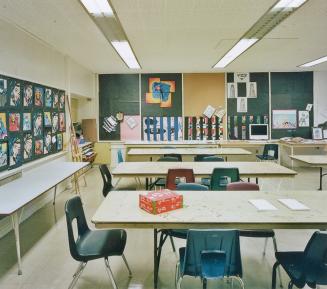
157, 202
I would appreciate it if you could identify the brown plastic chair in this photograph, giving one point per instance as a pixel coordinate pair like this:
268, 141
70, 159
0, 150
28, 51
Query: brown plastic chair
242, 186
173, 174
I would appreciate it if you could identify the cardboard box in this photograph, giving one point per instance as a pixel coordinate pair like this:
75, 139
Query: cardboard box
158, 202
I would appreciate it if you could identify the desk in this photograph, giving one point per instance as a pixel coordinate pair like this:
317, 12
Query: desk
32, 184
313, 161
226, 209
187, 151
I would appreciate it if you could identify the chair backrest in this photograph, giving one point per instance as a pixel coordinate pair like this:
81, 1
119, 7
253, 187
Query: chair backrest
315, 259
242, 186
206, 240
198, 158
178, 156
191, 187
168, 159
220, 177
179, 173
74, 211
120, 158
107, 179
271, 150
213, 159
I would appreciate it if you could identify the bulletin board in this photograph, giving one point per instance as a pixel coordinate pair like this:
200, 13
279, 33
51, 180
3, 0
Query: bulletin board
32, 121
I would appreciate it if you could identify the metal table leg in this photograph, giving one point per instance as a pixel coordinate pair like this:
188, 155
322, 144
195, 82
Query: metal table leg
15, 224
54, 195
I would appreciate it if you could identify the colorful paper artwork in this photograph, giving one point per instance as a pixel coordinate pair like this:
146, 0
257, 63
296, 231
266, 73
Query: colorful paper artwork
162, 128
59, 142
55, 102
3, 92
15, 156
47, 119
28, 95
14, 121
284, 119
54, 142
15, 93
130, 128
38, 96
61, 100
38, 149
55, 122
27, 121
37, 124
28, 147
160, 92
3, 126
47, 142
304, 120
48, 97
62, 121
3, 155
203, 128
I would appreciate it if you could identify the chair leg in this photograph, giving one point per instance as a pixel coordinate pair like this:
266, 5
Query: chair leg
265, 247
290, 285
129, 270
278, 269
239, 280
177, 274
172, 243
204, 283
111, 276
273, 281
179, 283
77, 274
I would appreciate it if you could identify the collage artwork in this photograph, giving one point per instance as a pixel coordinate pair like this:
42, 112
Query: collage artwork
32, 121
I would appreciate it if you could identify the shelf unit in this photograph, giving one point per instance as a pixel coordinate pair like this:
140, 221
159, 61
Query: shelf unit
87, 150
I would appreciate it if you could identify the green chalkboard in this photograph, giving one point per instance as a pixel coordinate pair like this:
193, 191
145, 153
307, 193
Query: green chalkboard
117, 92
292, 90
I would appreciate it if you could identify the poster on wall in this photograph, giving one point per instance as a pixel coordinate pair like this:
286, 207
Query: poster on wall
14, 121
28, 95
3, 155
251, 90
27, 121
304, 120
241, 77
3, 125
14, 93
284, 119
28, 147
15, 151
242, 104
3, 91
130, 128
231, 90
160, 92
162, 128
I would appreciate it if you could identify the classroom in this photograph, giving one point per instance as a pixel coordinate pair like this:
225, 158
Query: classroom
163, 144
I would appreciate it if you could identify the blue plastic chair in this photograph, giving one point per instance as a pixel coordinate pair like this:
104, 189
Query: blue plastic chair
120, 158
191, 187
92, 244
210, 254
221, 177
207, 158
305, 268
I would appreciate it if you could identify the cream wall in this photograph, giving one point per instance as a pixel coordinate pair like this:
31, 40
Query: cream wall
320, 96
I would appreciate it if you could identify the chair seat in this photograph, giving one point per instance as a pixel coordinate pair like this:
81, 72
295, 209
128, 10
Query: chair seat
101, 243
178, 233
292, 262
266, 157
205, 182
257, 233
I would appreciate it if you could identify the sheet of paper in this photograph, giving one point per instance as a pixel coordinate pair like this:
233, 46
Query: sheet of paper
262, 205
294, 204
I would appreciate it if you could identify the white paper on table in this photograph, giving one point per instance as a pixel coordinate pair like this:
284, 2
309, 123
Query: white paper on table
262, 205
294, 204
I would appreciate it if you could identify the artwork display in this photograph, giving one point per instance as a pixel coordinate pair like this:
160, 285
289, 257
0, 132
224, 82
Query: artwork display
251, 90
15, 93
160, 92
3, 125
59, 141
61, 100
38, 148
110, 124
14, 121
317, 133
3, 155
231, 90
15, 152
48, 97
162, 128
242, 104
55, 122
284, 119
55, 100
38, 96
3, 91
203, 128
130, 128
27, 121
62, 121
28, 147
28, 95
209, 111
47, 142
241, 77
304, 120
47, 119
37, 124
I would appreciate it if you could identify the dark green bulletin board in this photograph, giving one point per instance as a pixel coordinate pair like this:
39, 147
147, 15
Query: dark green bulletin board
117, 92
257, 107
292, 90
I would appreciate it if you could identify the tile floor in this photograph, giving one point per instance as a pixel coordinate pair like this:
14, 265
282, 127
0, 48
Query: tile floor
47, 263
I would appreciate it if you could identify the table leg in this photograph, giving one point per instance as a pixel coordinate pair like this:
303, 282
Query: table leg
320, 187
54, 195
15, 225
155, 259
76, 185
146, 183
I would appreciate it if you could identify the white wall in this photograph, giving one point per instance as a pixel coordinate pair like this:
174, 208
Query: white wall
320, 96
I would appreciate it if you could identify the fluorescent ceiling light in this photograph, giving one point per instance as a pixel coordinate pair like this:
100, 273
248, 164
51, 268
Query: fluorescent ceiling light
126, 53
314, 62
98, 8
237, 50
289, 4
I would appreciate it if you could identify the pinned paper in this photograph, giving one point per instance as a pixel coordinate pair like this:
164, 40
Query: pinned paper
309, 107
209, 111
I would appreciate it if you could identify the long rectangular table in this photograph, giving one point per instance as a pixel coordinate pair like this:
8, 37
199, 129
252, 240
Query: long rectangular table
315, 161
212, 209
32, 184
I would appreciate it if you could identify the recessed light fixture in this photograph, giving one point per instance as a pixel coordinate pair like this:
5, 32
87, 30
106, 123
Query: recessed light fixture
126, 53
314, 62
98, 8
237, 50
282, 4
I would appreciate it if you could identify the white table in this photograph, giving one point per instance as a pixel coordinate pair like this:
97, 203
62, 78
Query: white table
32, 184
315, 161
213, 209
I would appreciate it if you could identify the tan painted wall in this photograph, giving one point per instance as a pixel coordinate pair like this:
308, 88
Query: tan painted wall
103, 153
202, 89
